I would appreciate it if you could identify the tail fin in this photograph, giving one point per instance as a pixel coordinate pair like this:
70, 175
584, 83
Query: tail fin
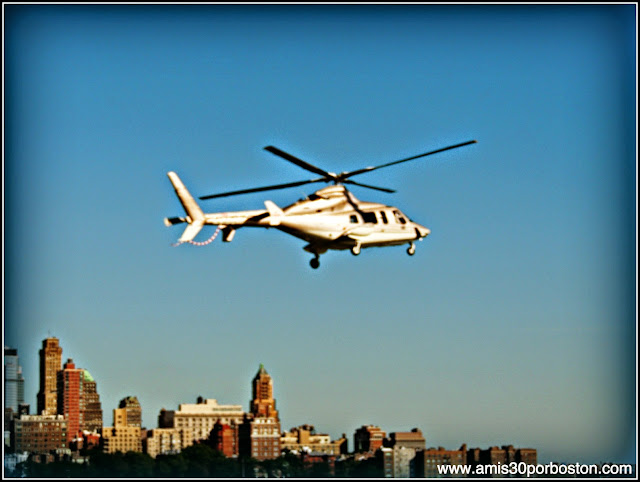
275, 213
195, 216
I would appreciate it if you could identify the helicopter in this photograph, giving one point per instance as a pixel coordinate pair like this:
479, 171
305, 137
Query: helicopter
331, 218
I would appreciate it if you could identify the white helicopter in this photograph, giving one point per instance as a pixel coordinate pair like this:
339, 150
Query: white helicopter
331, 218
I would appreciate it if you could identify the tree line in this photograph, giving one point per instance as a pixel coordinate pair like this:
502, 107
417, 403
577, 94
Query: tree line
196, 461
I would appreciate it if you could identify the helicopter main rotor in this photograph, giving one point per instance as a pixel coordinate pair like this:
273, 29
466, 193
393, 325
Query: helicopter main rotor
328, 177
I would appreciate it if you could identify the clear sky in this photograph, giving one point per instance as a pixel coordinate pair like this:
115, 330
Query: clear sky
514, 323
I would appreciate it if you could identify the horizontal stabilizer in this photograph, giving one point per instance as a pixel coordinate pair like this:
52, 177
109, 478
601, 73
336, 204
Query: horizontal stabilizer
191, 231
173, 221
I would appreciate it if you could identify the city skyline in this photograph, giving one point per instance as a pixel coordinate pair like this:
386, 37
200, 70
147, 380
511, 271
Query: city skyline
128, 414
512, 324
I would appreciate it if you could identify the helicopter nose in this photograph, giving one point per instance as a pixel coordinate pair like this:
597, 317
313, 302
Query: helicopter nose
424, 232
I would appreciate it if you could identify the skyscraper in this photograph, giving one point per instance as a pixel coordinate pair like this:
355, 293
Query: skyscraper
70, 387
13, 390
92, 405
368, 438
13, 381
50, 364
260, 433
125, 435
133, 410
78, 400
263, 403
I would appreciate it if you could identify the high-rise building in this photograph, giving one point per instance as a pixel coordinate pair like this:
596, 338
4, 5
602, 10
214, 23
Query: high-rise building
124, 436
224, 439
166, 418
92, 405
259, 436
13, 381
78, 400
304, 439
39, 434
196, 420
133, 410
263, 403
368, 438
402, 458
413, 440
427, 461
50, 365
159, 441
70, 388
501, 455
13, 390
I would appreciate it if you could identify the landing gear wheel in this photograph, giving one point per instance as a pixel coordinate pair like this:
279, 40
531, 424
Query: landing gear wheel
411, 250
355, 250
315, 263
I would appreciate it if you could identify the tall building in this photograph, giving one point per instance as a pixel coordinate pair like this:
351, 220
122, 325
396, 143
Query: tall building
224, 439
263, 403
304, 439
13, 390
260, 434
13, 381
413, 440
50, 364
196, 420
368, 438
78, 400
501, 455
70, 386
160, 441
402, 462
427, 461
125, 436
133, 410
39, 434
92, 405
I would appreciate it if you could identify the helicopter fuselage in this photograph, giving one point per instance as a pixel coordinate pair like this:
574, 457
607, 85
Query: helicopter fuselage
332, 218
329, 219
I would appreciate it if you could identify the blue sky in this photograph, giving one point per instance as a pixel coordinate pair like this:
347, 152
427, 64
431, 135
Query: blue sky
513, 323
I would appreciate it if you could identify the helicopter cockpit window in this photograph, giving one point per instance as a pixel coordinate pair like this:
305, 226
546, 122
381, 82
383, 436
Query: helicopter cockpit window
353, 219
370, 218
383, 215
399, 217
313, 197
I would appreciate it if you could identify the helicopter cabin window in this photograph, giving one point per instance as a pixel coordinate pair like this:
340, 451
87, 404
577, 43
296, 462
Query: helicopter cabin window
399, 217
383, 215
370, 218
353, 219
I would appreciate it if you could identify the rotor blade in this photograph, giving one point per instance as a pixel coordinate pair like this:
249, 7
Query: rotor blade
264, 188
369, 169
383, 189
298, 162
